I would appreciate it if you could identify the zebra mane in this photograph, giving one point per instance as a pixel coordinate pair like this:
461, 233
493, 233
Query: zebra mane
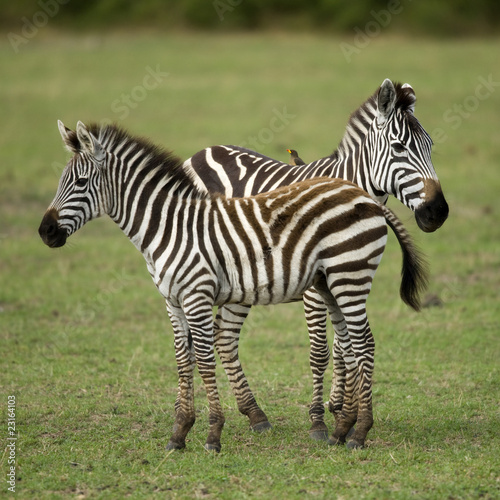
361, 119
115, 139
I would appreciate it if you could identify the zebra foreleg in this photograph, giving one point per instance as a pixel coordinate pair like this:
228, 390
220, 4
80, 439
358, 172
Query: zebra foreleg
227, 328
184, 404
319, 357
199, 317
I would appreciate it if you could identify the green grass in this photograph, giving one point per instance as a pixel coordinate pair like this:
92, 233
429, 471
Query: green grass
86, 344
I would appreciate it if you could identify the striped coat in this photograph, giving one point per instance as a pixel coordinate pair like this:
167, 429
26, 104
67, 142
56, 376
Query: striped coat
386, 151
204, 250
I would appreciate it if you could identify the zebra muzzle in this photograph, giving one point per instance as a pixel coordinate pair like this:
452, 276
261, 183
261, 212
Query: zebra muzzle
434, 212
432, 215
50, 232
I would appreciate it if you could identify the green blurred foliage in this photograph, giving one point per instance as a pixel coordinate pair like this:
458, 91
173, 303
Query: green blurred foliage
442, 18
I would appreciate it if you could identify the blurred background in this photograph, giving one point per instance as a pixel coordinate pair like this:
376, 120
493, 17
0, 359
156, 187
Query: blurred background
424, 17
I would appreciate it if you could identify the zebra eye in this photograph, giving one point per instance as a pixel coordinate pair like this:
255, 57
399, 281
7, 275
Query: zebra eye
398, 147
81, 182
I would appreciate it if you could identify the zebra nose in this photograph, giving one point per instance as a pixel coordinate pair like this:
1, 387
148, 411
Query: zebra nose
51, 230
432, 215
51, 234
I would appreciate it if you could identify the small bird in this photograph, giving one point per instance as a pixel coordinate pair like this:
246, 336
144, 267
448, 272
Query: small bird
294, 158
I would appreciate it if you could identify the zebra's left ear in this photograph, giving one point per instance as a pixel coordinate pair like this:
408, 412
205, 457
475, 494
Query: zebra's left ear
89, 143
411, 96
386, 101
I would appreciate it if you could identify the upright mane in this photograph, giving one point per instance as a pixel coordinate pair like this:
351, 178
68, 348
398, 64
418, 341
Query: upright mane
121, 143
361, 119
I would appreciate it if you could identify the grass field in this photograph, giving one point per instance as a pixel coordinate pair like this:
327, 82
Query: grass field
86, 345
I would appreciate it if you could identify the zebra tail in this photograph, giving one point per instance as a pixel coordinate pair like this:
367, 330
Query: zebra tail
415, 271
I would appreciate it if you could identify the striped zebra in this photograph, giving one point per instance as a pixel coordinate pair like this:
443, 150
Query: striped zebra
203, 250
386, 151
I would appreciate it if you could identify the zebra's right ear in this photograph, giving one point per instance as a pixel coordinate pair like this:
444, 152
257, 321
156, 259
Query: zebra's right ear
89, 143
69, 138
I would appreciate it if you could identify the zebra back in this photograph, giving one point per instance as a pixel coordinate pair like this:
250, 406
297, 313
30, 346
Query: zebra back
238, 172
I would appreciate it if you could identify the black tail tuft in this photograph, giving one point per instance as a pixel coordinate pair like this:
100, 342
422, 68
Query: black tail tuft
415, 270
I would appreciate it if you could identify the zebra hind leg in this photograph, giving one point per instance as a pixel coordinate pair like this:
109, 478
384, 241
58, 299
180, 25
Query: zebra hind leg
344, 394
364, 350
358, 349
343, 403
340, 376
227, 328
319, 357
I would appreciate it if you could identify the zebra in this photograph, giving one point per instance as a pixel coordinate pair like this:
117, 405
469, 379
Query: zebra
386, 151
205, 250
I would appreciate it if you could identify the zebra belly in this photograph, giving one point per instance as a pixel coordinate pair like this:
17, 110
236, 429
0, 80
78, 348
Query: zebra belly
250, 289
255, 297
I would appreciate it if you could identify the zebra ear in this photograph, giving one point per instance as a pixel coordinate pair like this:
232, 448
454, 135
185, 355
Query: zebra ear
89, 143
385, 101
69, 138
411, 97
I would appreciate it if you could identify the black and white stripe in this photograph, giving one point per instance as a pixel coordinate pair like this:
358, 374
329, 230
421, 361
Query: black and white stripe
386, 151
203, 250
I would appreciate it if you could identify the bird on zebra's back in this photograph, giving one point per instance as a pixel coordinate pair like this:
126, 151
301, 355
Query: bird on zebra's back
204, 250
295, 159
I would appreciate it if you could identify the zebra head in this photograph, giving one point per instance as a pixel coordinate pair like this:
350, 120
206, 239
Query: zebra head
78, 198
400, 152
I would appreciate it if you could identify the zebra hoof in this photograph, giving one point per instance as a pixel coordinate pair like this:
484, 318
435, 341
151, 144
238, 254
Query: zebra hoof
336, 441
319, 435
261, 426
319, 431
174, 446
354, 445
213, 447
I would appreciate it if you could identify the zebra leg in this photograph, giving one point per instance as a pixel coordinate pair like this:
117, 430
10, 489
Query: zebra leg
358, 349
363, 345
340, 377
227, 327
200, 320
344, 394
184, 404
337, 392
319, 357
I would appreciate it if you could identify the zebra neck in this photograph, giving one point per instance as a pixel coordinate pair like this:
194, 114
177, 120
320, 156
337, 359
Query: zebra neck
342, 164
141, 198
354, 155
